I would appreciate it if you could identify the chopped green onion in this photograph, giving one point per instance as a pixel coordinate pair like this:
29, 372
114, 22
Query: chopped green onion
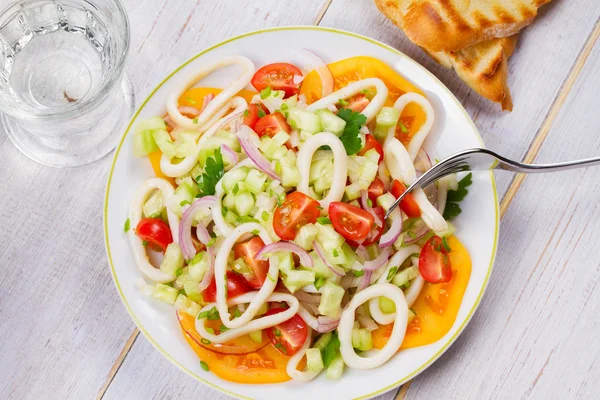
144, 243
266, 92
210, 330
127, 225
319, 282
246, 113
195, 120
358, 274
190, 100
223, 328
445, 244
205, 341
213, 314
203, 315
369, 203
280, 347
235, 189
265, 216
403, 127
343, 102
335, 253
261, 113
237, 313
211, 242
277, 332
184, 202
178, 271
324, 221
391, 273
204, 366
255, 232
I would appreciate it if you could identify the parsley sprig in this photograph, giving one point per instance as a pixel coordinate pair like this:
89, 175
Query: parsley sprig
213, 172
455, 196
350, 137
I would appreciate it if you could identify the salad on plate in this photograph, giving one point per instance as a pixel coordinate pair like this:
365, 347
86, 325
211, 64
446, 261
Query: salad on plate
264, 225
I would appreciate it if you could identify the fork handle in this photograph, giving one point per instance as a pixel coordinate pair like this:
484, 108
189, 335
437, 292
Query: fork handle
510, 165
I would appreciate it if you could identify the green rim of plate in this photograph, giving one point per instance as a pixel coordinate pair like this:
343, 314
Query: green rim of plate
298, 28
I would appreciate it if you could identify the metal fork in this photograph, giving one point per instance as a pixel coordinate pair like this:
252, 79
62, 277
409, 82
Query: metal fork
483, 159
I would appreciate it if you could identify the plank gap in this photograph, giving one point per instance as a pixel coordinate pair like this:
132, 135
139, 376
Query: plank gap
118, 362
323, 12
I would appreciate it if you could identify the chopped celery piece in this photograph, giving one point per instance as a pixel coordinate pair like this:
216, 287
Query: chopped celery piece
328, 237
336, 368
154, 205
198, 266
386, 305
232, 177
386, 200
244, 202
255, 181
331, 122
296, 279
304, 120
323, 340
362, 339
256, 336
331, 299
314, 361
191, 290
188, 306
405, 276
306, 236
173, 259
164, 142
319, 267
164, 293
286, 262
387, 117
372, 155
143, 144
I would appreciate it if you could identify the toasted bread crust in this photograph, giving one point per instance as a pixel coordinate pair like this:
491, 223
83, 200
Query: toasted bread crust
451, 25
484, 67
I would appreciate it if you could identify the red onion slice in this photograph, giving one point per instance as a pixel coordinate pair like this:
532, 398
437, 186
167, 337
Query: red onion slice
170, 122
229, 119
361, 251
327, 324
192, 112
207, 99
230, 154
367, 322
305, 259
366, 281
308, 298
185, 226
321, 68
210, 273
321, 254
297, 79
418, 234
365, 203
253, 153
381, 259
388, 238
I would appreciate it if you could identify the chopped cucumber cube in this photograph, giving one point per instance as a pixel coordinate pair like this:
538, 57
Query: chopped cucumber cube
335, 255
369, 172
336, 368
164, 293
331, 122
184, 193
319, 267
256, 336
143, 143
362, 339
232, 177
244, 203
386, 200
306, 236
328, 237
296, 279
198, 266
268, 147
319, 168
331, 300
185, 149
164, 142
186, 305
405, 276
151, 124
173, 259
229, 200
191, 290
255, 181
386, 305
314, 361
286, 262
387, 117
280, 138
231, 217
154, 205
304, 120
353, 191
323, 340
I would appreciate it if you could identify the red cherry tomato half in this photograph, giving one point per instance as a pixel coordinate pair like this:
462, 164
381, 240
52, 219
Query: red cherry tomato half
434, 263
271, 125
375, 190
289, 336
252, 115
376, 231
296, 211
154, 231
236, 286
350, 221
258, 268
408, 203
277, 76
372, 143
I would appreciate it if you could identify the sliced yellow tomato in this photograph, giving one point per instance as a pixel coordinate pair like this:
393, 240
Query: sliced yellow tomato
194, 97
264, 365
436, 306
356, 68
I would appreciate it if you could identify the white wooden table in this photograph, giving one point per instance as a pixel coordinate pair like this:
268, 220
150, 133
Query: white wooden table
65, 335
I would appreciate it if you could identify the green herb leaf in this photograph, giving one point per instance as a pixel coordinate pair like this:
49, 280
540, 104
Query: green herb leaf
213, 172
329, 352
324, 221
358, 274
455, 196
350, 137
391, 273
127, 225
445, 245
204, 366
266, 92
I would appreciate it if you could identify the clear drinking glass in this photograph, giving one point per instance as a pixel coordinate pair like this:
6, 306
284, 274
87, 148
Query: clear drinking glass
63, 96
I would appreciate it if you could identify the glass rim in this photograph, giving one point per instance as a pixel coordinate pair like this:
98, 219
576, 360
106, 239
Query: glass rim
100, 95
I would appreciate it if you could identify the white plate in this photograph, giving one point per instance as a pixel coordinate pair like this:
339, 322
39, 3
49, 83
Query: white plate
477, 226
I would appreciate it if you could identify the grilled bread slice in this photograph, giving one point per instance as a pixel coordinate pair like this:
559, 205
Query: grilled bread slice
452, 25
483, 67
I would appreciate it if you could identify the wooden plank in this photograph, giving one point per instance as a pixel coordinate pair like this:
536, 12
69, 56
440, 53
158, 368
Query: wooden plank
536, 72
63, 325
535, 334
